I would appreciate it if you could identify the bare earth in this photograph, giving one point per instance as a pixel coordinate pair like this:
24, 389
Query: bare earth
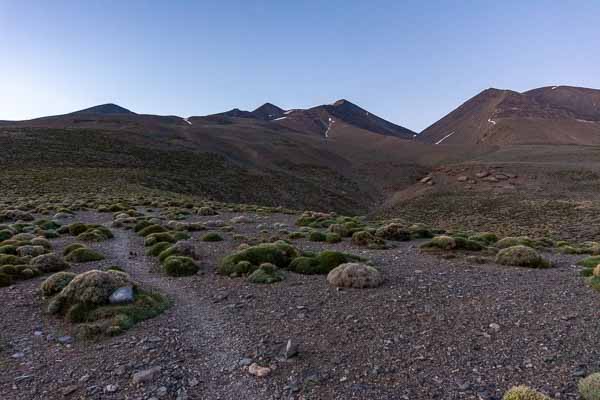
425, 334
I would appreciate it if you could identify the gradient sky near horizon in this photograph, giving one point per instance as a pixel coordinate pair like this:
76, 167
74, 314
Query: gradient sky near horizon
410, 62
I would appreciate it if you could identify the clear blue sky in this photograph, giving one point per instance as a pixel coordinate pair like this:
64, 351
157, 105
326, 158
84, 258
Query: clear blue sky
406, 61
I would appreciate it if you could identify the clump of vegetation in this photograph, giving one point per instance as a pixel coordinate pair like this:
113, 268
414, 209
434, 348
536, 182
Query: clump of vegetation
354, 275
49, 263
515, 241
317, 236
150, 229
366, 238
420, 231
321, 263
207, 211
89, 289
73, 246
266, 273
394, 231
212, 237
85, 300
248, 259
158, 248
154, 238
95, 233
446, 243
332, 237
521, 256
589, 262
5, 280
180, 266
485, 238
524, 393
589, 387
297, 235
56, 283
83, 255
441, 242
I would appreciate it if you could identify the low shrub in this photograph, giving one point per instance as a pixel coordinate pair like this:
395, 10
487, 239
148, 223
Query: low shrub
321, 263
83, 255
316, 236
279, 254
56, 283
393, 231
180, 266
150, 229
332, 237
515, 241
5, 280
440, 242
485, 238
266, 274
354, 275
521, 256
212, 237
589, 262
154, 238
158, 248
365, 238
589, 387
73, 246
524, 393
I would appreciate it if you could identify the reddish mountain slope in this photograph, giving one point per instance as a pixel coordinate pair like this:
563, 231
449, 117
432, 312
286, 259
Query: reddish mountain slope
549, 115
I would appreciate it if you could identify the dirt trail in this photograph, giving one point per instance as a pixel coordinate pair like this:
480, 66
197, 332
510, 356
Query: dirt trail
195, 323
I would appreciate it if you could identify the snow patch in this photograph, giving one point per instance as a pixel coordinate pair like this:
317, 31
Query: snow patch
188, 121
491, 121
445, 137
279, 119
331, 122
554, 87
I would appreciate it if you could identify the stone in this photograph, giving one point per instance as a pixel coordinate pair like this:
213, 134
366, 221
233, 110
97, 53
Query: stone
258, 371
65, 339
482, 174
145, 376
462, 178
111, 388
244, 362
291, 349
426, 179
495, 327
122, 295
68, 390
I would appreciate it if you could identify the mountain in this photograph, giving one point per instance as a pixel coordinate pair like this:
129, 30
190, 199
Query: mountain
104, 109
323, 120
268, 112
348, 160
548, 115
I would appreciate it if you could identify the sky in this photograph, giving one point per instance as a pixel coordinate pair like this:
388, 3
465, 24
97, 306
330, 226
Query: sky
410, 62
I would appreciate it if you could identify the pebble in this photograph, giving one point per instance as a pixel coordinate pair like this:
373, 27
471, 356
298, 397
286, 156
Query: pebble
145, 376
244, 362
495, 327
65, 339
111, 388
259, 371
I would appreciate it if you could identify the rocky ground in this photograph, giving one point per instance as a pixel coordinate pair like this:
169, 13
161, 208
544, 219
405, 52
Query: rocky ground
437, 329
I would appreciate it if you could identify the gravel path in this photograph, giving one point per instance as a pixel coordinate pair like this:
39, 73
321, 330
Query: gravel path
437, 329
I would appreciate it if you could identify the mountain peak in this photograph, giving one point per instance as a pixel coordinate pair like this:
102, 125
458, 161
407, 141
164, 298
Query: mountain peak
343, 102
268, 111
108, 108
